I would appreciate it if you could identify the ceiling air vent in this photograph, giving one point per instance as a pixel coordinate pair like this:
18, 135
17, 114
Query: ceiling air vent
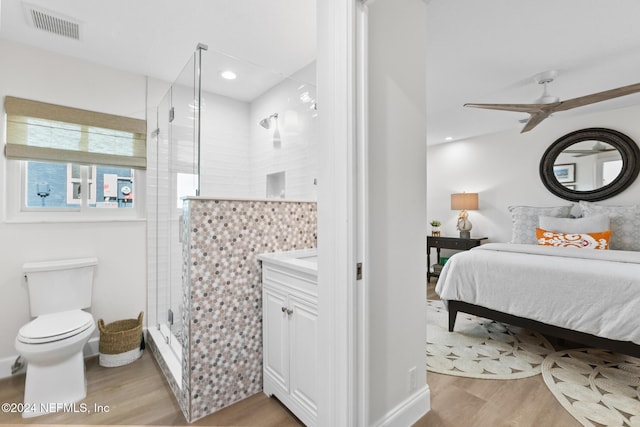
51, 22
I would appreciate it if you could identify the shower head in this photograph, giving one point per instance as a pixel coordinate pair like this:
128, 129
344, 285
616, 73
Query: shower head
269, 122
265, 123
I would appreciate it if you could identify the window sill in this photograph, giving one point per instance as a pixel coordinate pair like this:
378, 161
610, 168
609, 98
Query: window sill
70, 220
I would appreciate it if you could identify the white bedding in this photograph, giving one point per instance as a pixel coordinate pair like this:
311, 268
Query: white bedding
592, 291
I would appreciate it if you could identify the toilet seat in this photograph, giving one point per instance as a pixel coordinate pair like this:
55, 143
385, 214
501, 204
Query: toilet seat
55, 327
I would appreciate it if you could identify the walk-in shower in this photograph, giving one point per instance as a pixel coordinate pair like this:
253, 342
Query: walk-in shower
230, 147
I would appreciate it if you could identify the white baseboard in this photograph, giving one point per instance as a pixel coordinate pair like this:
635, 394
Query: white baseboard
5, 366
90, 350
408, 411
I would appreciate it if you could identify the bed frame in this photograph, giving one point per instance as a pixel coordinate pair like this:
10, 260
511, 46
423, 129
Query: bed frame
625, 347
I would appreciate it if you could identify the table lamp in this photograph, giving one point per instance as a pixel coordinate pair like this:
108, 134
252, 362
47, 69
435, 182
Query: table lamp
464, 202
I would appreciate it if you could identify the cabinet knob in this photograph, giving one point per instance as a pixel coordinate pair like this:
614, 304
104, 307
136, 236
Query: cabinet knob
284, 309
289, 312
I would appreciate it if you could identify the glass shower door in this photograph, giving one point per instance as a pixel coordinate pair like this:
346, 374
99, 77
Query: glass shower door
184, 177
178, 115
165, 207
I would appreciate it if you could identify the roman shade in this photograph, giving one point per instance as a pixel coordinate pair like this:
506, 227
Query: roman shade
48, 132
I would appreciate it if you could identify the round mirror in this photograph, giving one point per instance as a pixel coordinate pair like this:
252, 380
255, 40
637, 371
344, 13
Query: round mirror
590, 164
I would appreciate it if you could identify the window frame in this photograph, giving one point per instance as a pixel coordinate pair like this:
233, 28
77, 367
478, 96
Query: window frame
16, 210
85, 180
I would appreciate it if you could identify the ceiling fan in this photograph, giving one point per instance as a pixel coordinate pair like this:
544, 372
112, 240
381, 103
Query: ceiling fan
546, 105
597, 148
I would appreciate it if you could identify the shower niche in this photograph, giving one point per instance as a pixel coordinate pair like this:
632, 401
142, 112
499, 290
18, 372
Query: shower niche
229, 177
276, 185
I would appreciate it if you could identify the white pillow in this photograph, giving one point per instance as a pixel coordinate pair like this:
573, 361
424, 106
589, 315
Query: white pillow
625, 224
592, 224
525, 220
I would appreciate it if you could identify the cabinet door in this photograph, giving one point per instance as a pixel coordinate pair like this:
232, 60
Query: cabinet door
304, 349
275, 324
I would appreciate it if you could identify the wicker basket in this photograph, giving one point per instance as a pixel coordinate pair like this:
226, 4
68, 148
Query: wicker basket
121, 342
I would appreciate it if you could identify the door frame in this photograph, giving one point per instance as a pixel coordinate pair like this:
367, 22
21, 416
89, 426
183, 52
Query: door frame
362, 214
343, 358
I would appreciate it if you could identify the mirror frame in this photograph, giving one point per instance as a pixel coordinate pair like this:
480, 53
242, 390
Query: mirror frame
629, 152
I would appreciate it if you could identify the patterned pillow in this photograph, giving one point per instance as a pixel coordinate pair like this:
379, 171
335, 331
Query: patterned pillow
598, 240
625, 223
525, 220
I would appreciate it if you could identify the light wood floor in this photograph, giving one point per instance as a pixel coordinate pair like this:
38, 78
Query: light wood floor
137, 394
468, 402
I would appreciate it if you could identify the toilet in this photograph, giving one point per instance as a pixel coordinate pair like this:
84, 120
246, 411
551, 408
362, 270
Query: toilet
52, 343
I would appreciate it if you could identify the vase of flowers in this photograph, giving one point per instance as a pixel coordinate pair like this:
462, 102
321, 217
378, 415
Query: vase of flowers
435, 228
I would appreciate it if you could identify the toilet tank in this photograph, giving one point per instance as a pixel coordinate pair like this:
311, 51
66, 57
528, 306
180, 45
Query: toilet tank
59, 285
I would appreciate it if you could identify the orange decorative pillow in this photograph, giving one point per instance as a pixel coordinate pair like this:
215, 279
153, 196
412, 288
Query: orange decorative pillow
599, 240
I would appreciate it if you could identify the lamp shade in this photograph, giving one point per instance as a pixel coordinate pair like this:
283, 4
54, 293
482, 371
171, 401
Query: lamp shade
464, 201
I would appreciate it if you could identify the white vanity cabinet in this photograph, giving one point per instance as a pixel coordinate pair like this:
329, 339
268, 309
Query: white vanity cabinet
290, 330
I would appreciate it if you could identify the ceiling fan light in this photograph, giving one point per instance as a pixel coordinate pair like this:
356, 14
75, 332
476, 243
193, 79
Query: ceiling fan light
547, 99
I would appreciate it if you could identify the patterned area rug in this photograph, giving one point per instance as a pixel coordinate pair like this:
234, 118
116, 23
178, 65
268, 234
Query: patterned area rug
597, 387
481, 348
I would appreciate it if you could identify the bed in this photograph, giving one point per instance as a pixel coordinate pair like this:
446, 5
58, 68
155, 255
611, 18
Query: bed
585, 296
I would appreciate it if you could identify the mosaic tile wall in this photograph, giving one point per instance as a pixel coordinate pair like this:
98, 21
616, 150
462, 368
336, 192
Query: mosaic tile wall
224, 303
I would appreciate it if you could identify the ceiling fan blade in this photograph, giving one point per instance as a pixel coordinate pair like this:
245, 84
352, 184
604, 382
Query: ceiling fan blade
586, 154
518, 108
538, 112
597, 97
535, 120
591, 150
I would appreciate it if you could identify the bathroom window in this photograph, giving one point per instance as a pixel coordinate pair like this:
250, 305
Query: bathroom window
49, 185
53, 191
72, 164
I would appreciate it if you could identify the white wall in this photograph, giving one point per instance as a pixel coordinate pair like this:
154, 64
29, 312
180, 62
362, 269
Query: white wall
120, 282
397, 229
225, 147
297, 155
503, 169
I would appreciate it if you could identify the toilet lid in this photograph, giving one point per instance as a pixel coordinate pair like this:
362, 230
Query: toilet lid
55, 326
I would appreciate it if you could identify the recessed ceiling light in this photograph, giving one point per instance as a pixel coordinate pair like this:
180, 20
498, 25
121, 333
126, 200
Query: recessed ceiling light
228, 74
449, 138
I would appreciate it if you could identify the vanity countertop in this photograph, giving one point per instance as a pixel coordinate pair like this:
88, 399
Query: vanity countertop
304, 260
